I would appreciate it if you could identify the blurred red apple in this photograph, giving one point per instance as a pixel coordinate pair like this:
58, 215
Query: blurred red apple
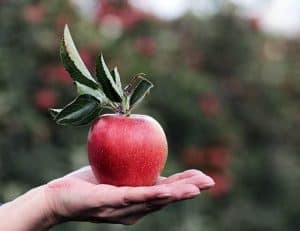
127, 150
61, 21
218, 156
193, 157
145, 46
128, 15
86, 58
56, 73
254, 23
34, 13
45, 98
209, 104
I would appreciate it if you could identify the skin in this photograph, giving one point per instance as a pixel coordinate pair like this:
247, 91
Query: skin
79, 197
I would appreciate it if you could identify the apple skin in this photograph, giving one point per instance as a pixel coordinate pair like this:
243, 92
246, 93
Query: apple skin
127, 150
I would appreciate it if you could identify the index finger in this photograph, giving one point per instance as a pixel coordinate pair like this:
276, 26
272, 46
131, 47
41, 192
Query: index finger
179, 176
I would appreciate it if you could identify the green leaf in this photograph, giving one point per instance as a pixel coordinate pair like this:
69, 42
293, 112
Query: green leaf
80, 111
109, 86
54, 112
97, 93
116, 76
73, 62
141, 89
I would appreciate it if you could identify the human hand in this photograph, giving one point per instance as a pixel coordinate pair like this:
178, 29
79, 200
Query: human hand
79, 197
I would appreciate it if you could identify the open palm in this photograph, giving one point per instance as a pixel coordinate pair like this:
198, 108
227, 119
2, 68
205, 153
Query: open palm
78, 196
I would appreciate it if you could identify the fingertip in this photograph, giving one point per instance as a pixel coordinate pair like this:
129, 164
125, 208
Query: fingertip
212, 182
192, 172
209, 182
203, 181
198, 176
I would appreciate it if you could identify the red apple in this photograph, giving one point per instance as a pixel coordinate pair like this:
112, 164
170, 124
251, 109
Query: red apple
193, 157
128, 15
222, 186
34, 13
254, 23
124, 149
127, 150
45, 98
145, 45
55, 73
209, 104
218, 156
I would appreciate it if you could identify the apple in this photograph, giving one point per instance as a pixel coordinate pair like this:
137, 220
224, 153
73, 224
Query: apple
45, 98
34, 13
127, 150
55, 73
123, 11
146, 46
124, 149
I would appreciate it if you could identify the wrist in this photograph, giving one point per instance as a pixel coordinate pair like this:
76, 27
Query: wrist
32, 211
50, 216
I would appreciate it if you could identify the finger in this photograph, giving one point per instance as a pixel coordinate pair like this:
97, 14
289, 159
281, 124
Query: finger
182, 192
133, 210
179, 192
178, 176
177, 198
200, 180
123, 196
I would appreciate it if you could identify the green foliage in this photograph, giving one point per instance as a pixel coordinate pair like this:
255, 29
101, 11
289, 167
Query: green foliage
98, 94
85, 108
138, 90
222, 89
108, 81
81, 111
73, 63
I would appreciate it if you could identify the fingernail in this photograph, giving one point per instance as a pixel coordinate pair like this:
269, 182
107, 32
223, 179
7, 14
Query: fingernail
192, 194
210, 181
208, 184
164, 195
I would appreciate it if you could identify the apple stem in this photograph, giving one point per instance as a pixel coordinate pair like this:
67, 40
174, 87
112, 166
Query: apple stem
124, 106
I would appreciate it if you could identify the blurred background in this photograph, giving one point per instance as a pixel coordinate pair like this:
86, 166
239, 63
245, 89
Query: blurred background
227, 93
